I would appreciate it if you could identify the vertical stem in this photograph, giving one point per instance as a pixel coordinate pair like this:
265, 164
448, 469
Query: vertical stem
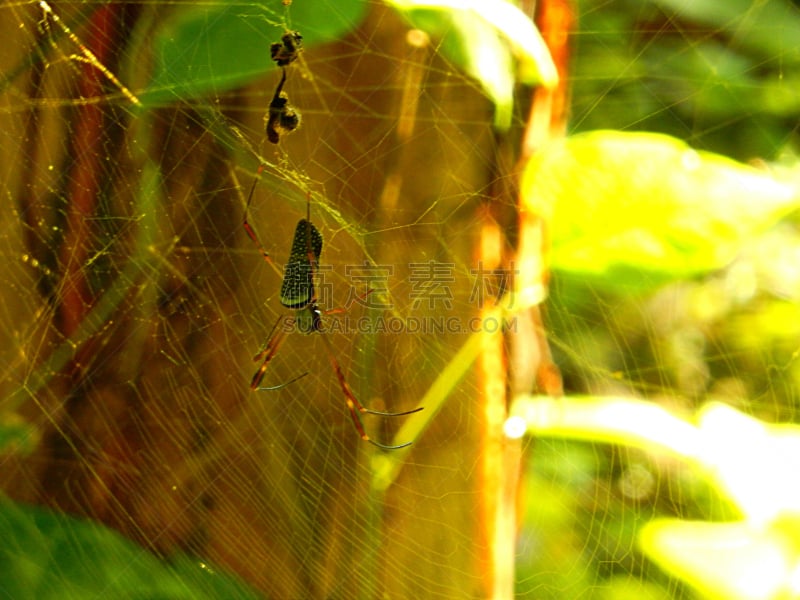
529, 353
83, 189
547, 121
495, 477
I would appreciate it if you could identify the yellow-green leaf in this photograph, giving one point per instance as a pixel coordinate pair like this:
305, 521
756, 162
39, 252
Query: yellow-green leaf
728, 561
641, 208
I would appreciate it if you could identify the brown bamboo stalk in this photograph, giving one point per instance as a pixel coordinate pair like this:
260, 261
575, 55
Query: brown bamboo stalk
528, 350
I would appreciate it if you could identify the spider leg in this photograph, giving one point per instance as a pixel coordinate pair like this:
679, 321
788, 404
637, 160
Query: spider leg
280, 386
355, 407
274, 341
369, 411
343, 309
247, 227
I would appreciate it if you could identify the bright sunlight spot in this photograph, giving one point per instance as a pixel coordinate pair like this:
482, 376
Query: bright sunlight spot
514, 427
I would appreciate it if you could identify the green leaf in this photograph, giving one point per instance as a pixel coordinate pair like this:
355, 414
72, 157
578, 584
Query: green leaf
729, 561
49, 555
212, 48
483, 38
639, 209
768, 28
711, 79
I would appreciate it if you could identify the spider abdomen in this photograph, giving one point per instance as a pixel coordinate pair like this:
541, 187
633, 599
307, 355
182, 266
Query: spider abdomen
297, 289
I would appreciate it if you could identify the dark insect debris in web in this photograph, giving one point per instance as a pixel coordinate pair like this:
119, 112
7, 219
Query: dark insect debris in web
282, 117
288, 49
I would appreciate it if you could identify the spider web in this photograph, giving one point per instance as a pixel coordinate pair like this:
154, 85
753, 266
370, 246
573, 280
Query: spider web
134, 301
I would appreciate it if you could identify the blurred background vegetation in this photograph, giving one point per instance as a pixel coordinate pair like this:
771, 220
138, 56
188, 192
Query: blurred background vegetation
722, 77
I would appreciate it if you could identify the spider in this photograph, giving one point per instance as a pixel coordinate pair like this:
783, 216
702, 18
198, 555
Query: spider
282, 117
287, 50
298, 294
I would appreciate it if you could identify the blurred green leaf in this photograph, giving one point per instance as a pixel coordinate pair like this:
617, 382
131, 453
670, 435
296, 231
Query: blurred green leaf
769, 28
49, 555
750, 462
469, 38
639, 209
729, 561
711, 79
214, 48
724, 74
